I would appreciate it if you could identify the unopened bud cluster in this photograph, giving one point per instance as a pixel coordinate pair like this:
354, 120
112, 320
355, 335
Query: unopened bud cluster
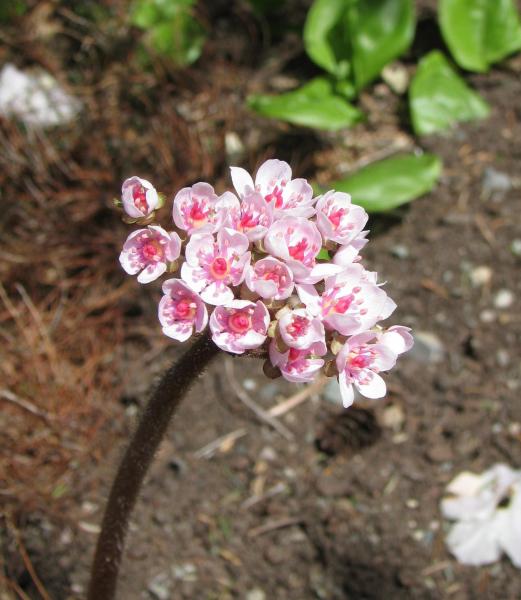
256, 267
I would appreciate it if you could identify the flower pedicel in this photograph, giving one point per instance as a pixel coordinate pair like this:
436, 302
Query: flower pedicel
272, 270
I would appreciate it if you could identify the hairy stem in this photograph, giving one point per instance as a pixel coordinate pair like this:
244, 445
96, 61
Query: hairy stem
134, 466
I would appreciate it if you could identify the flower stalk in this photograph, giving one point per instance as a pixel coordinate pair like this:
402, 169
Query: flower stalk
136, 461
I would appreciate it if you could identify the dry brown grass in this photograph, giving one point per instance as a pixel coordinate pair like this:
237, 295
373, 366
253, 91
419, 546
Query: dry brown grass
62, 292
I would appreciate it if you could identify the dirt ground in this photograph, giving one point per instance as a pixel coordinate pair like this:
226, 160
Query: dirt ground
349, 507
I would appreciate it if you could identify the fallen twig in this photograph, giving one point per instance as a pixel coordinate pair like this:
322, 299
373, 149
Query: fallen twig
210, 449
25, 405
244, 397
273, 525
293, 401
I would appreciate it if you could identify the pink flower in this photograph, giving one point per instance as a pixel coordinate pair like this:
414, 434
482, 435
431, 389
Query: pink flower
148, 251
339, 220
349, 303
240, 326
301, 330
252, 216
297, 241
359, 363
139, 197
270, 278
397, 338
211, 266
181, 310
199, 209
349, 253
298, 366
273, 181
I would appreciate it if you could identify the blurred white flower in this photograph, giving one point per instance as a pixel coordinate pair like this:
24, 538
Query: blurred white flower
35, 98
487, 509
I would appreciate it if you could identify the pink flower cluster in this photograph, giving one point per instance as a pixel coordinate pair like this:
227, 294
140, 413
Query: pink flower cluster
256, 266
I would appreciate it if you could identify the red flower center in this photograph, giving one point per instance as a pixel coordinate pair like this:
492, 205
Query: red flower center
185, 309
239, 322
151, 250
299, 326
220, 267
139, 195
198, 212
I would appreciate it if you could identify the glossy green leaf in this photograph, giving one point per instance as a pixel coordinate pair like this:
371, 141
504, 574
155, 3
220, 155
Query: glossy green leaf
480, 32
386, 184
315, 104
326, 37
438, 97
381, 30
355, 39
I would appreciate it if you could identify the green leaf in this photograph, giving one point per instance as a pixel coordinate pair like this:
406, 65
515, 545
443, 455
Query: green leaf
313, 105
381, 30
386, 184
356, 38
180, 39
438, 97
147, 13
480, 32
326, 37
323, 255
170, 29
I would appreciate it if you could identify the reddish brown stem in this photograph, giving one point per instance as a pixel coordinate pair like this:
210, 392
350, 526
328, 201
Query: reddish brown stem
134, 466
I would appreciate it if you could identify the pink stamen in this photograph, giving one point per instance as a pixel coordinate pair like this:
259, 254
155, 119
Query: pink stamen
342, 304
198, 212
275, 194
139, 195
298, 327
336, 217
297, 252
151, 250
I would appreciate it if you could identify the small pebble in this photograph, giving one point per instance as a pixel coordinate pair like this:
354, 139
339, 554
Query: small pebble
396, 77
159, 587
503, 299
496, 183
250, 385
255, 594
332, 392
428, 348
400, 251
412, 503
233, 145
480, 276
487, 316
502, 358
186, 572
515, 247
268, 454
